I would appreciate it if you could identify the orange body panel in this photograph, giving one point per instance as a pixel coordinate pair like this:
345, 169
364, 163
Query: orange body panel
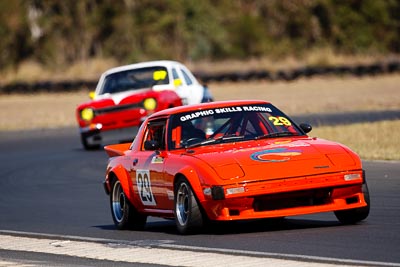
117, 150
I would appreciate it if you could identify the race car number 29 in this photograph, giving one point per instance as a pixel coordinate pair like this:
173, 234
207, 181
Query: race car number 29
144, 187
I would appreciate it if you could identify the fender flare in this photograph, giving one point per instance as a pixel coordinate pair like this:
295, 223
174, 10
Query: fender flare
123, 176
193, 178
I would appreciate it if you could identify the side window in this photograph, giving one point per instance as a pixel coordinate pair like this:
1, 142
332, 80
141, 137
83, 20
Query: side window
155, 132
177, 79
187, 78
175, 74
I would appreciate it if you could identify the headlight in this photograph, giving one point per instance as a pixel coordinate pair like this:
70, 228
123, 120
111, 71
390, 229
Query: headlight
150, 104
87, 114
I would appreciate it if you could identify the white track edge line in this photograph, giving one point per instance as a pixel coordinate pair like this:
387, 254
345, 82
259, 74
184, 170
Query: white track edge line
167, 244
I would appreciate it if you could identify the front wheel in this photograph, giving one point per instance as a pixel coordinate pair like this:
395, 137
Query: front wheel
86, 145
188, 215
124, 214
353, 216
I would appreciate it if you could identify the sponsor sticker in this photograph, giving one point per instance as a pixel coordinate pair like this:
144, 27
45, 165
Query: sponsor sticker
275, 155
208, 112
157, 159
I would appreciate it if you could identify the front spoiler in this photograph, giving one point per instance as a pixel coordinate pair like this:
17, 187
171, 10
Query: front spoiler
246, 208
288, 197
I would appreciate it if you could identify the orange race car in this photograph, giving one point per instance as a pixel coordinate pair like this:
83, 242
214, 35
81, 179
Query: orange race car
230, 160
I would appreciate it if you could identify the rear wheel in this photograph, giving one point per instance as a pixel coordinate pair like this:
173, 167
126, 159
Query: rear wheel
188, 215
124, 214
353, 216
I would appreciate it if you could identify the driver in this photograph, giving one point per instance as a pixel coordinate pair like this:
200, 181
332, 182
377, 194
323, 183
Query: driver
189, 131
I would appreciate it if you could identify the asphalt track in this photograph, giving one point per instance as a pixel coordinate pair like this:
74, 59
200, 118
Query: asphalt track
50, 186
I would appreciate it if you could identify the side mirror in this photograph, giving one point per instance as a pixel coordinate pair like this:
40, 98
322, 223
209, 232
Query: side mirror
151, 145
92, 94
306, 127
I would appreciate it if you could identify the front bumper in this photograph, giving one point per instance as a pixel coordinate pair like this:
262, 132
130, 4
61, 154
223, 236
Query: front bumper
288, 197
97, 136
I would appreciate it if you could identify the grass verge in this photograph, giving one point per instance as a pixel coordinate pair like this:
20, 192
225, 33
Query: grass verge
373, 141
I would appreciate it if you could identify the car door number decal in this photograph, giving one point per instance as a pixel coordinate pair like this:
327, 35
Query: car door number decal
144, 187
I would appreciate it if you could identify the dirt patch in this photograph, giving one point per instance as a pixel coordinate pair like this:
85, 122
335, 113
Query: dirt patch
39, 111
319, 95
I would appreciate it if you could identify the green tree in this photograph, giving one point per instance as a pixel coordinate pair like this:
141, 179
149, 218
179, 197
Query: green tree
15, 37
59, 33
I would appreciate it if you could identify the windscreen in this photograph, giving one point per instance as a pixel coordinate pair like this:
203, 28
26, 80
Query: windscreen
135, 79
229, 124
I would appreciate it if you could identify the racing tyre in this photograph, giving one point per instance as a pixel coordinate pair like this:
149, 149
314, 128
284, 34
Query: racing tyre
124, 214
188, 215
353, 216
86, 144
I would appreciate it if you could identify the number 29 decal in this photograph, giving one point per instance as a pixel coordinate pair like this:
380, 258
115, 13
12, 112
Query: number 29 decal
144, 187
280, 121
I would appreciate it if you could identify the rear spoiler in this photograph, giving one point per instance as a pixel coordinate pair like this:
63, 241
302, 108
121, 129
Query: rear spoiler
117, 150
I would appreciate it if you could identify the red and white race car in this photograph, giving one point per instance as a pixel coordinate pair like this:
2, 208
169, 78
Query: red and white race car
232, 160
125, 96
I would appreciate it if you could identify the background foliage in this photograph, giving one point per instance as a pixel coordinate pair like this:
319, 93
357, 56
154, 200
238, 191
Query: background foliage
57, 33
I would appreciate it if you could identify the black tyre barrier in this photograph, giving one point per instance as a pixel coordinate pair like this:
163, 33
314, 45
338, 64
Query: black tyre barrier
393, 67
263, 74
47, 86
283, 75
342, 70
359, 70
234, 77
250, 75
376, 69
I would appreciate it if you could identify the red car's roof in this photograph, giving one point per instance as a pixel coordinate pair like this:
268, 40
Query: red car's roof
209, 105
